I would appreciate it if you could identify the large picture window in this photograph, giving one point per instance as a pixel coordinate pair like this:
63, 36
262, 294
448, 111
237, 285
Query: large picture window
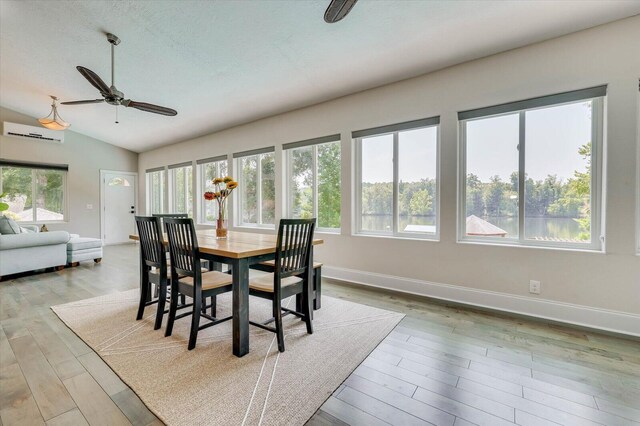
181, 188
397, 177
208, 169
531, 171
313, 181
155, 179
256, 191
34, 192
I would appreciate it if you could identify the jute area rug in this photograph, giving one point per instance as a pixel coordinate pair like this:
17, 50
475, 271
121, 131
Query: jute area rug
209, 385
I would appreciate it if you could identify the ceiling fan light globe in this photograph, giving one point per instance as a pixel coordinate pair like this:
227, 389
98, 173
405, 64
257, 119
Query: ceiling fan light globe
53, 121
53, 124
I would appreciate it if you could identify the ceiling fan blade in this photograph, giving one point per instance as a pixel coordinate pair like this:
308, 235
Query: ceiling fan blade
142, 106
91, 101
337, 10
94, 79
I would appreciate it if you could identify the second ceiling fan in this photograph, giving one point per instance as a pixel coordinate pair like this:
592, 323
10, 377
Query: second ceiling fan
110, 94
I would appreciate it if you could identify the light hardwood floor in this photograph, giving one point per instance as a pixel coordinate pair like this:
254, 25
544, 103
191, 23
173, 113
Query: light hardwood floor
442, 365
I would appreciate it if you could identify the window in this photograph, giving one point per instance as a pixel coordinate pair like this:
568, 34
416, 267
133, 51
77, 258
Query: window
181, 188
34, 192
209, 169
638, 171
155, 179
531, 171
397, 169
313, 181
256, 178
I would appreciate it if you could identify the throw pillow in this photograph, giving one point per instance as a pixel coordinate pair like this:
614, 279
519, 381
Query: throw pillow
24, 230
8, 226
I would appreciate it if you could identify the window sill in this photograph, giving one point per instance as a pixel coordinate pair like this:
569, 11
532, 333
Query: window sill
327, 231
44, 222
249, 228
517, 244
428, 238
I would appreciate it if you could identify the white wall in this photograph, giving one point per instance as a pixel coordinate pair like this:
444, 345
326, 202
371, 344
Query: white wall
85, 156
608, 54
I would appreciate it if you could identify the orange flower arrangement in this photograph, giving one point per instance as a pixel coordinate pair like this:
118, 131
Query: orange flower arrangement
223, 188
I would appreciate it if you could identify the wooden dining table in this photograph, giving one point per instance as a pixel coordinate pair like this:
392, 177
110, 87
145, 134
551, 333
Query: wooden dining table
240, 250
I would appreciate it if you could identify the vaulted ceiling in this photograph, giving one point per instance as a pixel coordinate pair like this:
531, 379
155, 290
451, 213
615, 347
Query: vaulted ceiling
223, 63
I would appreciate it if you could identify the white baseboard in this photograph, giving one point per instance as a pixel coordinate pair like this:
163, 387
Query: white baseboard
585, 316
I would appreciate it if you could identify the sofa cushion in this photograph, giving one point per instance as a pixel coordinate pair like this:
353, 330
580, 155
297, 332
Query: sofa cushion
8, 226
9, 242
83, 243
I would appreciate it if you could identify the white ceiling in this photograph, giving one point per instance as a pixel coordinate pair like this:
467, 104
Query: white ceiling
222, 63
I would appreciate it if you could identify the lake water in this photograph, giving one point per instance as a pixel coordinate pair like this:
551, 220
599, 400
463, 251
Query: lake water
541, 227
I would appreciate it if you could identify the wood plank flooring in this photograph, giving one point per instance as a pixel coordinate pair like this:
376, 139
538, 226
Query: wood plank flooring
442, 365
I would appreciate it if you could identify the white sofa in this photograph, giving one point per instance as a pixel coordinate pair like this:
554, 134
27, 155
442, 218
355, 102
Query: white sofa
33, 250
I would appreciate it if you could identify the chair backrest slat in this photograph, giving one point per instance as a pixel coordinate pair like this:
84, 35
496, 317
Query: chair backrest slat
293, 250
163, 216
183, 246
150, 234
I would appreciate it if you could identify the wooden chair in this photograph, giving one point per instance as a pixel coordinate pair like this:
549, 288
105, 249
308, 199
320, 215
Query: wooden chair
190, 280
153, 267
163, 216
291, 276
205, 263
270, 266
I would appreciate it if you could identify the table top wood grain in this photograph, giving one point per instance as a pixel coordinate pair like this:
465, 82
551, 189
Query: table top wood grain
237, 245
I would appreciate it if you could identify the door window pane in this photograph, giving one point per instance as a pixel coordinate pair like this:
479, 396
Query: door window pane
558, 186
492, 177
377, 183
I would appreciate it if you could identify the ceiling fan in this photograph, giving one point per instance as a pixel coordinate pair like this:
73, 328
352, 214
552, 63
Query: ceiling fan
111, 95
337, 10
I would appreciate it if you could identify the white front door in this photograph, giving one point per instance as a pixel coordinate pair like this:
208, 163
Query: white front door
119, 206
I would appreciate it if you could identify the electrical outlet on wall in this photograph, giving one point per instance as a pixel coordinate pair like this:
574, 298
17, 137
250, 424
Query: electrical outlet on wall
89, 206
535, 287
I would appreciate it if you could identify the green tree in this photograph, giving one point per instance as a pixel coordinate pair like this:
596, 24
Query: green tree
475, 199
494, 193
420, 204
268, 187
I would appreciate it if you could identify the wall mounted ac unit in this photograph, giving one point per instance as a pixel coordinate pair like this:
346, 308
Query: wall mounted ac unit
23, 131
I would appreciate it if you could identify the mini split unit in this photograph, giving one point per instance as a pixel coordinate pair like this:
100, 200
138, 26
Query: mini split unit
22, 131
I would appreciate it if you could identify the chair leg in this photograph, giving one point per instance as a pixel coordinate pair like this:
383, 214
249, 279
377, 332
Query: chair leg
195, 320
144, 292
183, 300
278, 322
299, 304
317, 286
307, 309
162, 298
173, 307
214, 302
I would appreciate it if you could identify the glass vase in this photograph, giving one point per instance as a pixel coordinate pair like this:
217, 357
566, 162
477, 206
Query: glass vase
221, 225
